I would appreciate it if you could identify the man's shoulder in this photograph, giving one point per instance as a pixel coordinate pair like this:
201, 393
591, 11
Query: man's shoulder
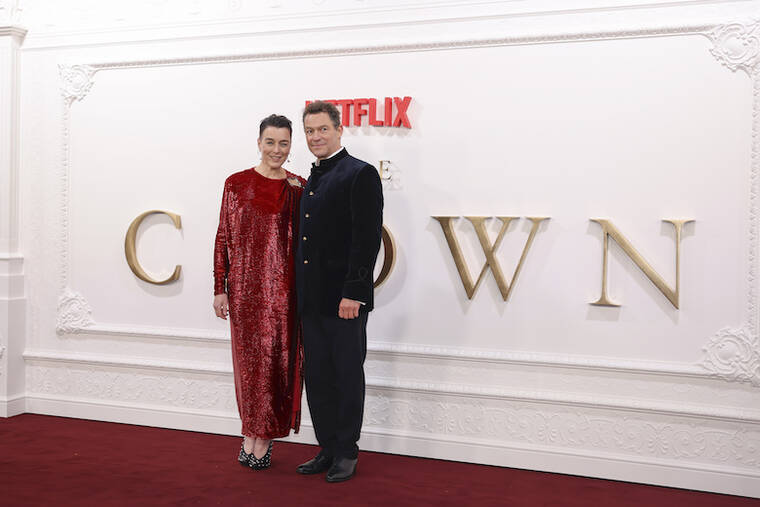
353, 164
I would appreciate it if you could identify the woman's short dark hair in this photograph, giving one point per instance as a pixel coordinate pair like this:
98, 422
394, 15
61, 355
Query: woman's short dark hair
320, 106
276, 121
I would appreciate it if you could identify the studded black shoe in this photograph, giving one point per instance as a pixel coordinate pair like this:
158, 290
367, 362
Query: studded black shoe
243, 457
263, 462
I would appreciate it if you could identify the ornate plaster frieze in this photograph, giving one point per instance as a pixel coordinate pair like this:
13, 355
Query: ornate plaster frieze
76, 81
74, 313
405, 384
137, 388
733, 355
737, 45
648, 437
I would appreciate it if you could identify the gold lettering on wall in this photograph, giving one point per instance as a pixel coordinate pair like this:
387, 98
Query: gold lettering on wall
489, 249
382, 169
610, 231
130, 248
389, 257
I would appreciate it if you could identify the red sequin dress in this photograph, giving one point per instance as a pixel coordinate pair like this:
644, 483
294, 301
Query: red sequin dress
253, 258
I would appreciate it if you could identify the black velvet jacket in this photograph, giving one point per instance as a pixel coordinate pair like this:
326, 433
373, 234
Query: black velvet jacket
339, 234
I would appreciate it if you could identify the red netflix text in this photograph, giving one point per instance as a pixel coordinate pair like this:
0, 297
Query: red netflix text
394, 111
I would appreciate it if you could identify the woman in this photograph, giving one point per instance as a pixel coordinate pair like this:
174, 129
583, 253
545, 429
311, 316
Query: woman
254, 285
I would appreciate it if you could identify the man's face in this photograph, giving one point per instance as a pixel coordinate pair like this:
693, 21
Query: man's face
321, 135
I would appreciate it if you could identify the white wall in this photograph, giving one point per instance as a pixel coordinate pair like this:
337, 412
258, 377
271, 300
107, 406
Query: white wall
603, 109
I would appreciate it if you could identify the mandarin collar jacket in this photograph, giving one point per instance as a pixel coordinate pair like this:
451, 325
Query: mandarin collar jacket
340, 230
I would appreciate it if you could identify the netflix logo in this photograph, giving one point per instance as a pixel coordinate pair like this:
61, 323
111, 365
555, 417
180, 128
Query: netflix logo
392, 111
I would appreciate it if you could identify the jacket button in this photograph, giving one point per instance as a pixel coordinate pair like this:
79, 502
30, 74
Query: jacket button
311, 192
306, 261
306, 215
304, 238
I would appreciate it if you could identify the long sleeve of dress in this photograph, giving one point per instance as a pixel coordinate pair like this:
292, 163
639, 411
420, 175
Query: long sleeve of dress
221, 258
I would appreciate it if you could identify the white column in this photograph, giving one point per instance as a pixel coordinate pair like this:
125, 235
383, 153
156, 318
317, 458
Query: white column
12, 299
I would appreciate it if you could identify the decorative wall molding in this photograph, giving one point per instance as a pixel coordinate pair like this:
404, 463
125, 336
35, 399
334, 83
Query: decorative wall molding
735, 45
649, 437
408, 350
733, 355
96, 382
49, 18
534, 359
721, 369
161, 333
104, 360
97, 362
76, 82
74, 313
427, 45
12, 31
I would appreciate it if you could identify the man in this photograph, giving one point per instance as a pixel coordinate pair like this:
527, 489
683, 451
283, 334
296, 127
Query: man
339, 238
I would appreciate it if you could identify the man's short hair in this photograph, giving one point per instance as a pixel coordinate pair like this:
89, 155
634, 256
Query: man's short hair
320, 106
276, 121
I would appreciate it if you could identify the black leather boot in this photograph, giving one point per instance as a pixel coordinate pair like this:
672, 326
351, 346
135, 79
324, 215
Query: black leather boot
342, 469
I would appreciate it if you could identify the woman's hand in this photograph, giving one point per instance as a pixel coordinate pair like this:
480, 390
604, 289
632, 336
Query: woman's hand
221, 306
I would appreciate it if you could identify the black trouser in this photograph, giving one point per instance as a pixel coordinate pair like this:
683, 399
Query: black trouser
334, 352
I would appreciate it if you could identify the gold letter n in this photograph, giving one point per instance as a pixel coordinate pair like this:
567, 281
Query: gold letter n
489, 250
610, 230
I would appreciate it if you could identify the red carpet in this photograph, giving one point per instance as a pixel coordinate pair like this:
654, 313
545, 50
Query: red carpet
59, 462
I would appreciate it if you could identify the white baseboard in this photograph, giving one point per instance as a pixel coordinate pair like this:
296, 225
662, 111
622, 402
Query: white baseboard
12, 406
662, 473
559, 461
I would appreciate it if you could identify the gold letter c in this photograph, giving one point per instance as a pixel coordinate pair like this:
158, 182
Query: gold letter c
130, 248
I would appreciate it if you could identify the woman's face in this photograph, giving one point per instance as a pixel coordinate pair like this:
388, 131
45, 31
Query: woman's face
274, 145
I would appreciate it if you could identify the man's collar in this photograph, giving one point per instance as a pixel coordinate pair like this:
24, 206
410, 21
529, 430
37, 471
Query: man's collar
319, 162
328, 163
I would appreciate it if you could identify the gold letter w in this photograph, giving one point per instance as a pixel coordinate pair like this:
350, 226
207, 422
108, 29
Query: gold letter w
489, 250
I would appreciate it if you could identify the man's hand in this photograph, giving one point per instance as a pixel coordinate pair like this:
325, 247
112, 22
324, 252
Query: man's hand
221, 306
348, 308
